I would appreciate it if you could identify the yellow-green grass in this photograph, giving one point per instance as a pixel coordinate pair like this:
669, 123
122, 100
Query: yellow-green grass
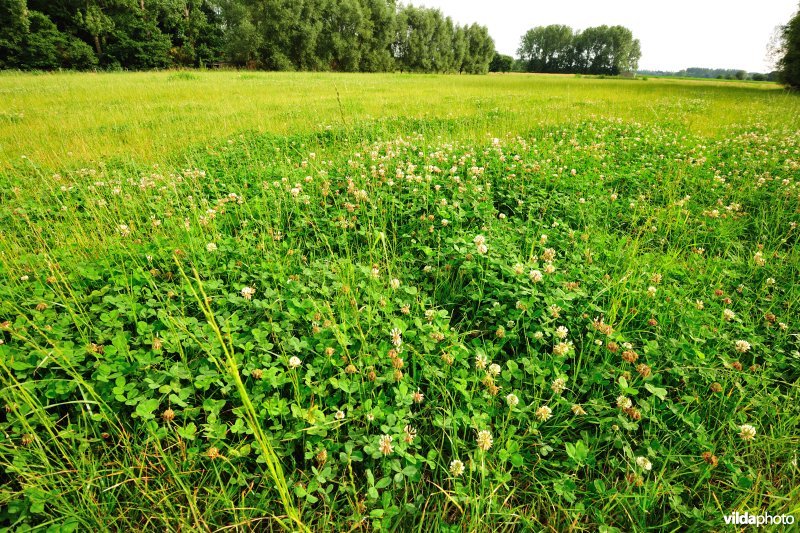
63, 120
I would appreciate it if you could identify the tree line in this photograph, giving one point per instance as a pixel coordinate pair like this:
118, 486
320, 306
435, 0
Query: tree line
610, 50
321, 35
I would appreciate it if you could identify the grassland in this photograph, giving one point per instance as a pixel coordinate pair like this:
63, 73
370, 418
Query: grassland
395, 302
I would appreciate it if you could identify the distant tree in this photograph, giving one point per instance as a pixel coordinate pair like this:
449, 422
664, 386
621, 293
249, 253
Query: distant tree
13, 31
789, 63
501, 63
596, 50
547, 48
480, 50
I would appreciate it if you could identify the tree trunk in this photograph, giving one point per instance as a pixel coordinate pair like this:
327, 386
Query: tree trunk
97, 45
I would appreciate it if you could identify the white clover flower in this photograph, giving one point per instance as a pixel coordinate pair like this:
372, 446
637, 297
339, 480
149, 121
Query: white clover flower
562, 348
543, 413
456, 468
538, 335
577, 410
512, 400
482, 249
481, 361
742, 346
339, 415
211, 247
248, 292
644, 463
479, 239
395, 283
294, 362
558, 385
728, 314
519, 268
536, 276
561, 332
651, 291
494, 369
385, 444
397, 338
623, 402
485, 440
747, 432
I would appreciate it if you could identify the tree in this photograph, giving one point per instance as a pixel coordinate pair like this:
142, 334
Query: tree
480, 50
547, 48
597, 50
789, 63
501, 63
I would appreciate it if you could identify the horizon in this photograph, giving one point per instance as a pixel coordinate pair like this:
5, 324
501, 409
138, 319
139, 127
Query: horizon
737, 40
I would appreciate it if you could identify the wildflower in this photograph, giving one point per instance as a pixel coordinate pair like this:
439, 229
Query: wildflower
294, 362
716, 387
329, 351
742, 346
397, 338
479, 239
548, 255
709, 458
430, 314
395, 283
643, 370
549, 268
482, 249
385, 444
538, 335
512, 400
655, 279
248, 292
770, 281
758, 258
375, 272
577, 410
536, 276
321, 457
168, 415
561, 332
543, 413
630, 356
500, 332
747, 432
485, 440
699, 305
350, 369
213, 453
624, 402
257, 373
558, 385
562, 348
481, 361
124, 230
339, 415
417, 396
410, 434
644, 463
494, 369
456, 468
211, 247
405, 309
727, 314
651, 291
519, 268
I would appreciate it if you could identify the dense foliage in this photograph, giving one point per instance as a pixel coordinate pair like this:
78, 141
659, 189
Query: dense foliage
338, 35
789, 62
596, 50
585, 326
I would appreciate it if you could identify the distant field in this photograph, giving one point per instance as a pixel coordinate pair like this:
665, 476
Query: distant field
64, 119
328, 302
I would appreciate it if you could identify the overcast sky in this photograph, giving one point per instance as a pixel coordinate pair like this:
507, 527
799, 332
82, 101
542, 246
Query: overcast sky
675, 34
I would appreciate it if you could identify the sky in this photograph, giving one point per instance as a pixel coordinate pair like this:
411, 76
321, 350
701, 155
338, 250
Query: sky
674, 34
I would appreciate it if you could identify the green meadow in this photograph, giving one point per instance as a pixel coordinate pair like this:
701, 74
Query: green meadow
342, 302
